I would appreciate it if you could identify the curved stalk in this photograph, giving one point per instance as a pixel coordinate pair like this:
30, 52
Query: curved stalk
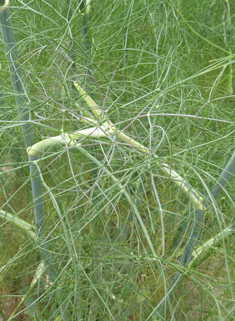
66, 139
175, 177
22, 224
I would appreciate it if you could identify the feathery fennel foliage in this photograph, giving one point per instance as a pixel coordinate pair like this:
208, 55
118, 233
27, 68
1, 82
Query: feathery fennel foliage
151, 235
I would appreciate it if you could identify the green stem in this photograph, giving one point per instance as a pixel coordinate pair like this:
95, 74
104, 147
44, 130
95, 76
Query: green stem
197, 225
23, 225
22, 102
175, 177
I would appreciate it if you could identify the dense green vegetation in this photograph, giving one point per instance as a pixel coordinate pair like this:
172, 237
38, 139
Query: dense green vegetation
124, 209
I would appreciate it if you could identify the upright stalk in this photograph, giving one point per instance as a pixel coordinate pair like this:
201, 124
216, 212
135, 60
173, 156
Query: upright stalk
196, 227
22, 101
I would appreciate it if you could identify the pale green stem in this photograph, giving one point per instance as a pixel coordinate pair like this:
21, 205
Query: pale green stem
207, 246
4, 4
29, 229
210, 244
66, 139
175, 177
23, 225
28, 298
197, 225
